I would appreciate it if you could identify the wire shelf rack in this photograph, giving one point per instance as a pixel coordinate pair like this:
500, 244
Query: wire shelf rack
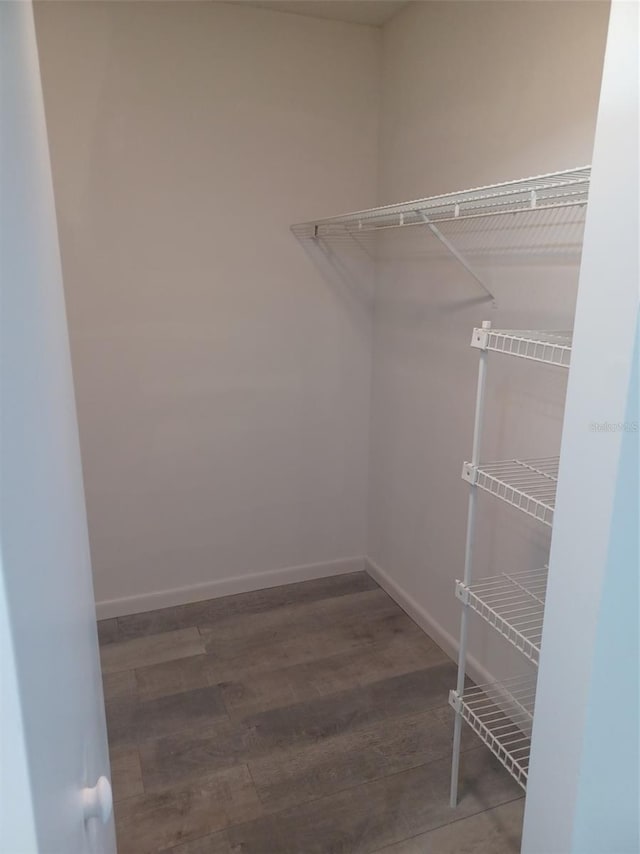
542, 192
502, 715
529, 485
551, 348
513, 603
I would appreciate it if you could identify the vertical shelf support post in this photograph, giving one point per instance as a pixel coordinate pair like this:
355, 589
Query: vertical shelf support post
468, 560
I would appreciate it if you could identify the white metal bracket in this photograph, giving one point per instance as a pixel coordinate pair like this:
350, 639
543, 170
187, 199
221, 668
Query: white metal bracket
454, 701
470, 473
462, 592
457, 255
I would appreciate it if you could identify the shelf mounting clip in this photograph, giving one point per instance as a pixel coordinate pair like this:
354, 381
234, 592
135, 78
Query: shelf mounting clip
480, 337
454, 701
470, 473
462, 592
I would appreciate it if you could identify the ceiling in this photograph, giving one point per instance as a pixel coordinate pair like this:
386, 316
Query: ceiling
373, 12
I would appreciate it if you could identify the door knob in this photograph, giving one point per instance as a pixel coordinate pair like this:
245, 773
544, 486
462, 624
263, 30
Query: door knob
97, 802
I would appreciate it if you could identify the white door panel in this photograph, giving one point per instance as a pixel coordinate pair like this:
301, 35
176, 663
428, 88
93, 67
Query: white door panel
51, 648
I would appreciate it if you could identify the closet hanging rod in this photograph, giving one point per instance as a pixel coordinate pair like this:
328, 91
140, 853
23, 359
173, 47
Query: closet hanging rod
568, 188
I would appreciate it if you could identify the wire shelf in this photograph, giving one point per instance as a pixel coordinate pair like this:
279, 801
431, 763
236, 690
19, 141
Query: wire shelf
513, 603
551, 348
554, 190
502, 715
529, 485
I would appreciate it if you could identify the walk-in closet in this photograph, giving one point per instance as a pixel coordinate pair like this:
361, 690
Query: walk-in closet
320, 410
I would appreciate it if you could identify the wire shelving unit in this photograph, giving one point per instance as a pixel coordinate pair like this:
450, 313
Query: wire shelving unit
502, 715
512, 603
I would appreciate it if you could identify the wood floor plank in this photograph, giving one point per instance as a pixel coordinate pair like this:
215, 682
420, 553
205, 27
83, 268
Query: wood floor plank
306, 723
243, 656
408, 649
216, 843
141, 652
495, 831
280, 733
150, 823
175, 677
254, 602
188, 755
121, 683
271, 627
107, 631
401, 653
126, 774
366, 818
297, 775
131, 722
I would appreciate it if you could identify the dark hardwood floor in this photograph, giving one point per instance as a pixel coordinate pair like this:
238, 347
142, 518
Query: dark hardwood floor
305, 719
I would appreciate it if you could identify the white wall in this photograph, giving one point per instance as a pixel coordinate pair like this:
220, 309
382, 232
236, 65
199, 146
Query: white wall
222, 382
583, 790
472, 93
222, 378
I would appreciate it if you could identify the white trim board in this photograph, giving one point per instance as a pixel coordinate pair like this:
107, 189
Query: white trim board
429, 625
225, 587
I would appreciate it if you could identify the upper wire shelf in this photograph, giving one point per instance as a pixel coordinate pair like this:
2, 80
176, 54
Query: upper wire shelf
551, 348
542, 192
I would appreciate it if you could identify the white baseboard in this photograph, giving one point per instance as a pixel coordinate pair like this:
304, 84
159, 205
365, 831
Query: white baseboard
225, 587
426, 621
